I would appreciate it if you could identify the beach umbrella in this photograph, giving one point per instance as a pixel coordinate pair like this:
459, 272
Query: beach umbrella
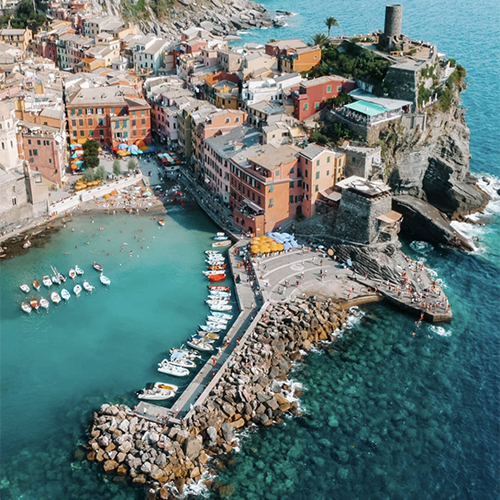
133, 148
287, 246
280, 247
152, 149
140, 143
349, 262
123, 145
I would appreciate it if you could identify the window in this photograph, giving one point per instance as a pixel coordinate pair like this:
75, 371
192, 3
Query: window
91, 133
329, 89
133, 123
292, 170
316, 188
277, 173
353, 159
117, 124
299, 184
316, 105
100, 111
100, 122
124, 123
143, 121
317, 163
271, 188
237, 119
253, 196
79, 111
74, 133
306, 106
328, 160
80, 122
317, 175
227, 120
90, 122
50, 160
327, 173
307, 173
101, 133
81, 133
292, 185
38, 142
125, 134
271, 202
142, 112
258, 200
339, 89
291, 198
35, 152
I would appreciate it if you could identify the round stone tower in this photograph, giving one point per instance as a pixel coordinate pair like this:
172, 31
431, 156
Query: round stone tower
393, 20
9, 156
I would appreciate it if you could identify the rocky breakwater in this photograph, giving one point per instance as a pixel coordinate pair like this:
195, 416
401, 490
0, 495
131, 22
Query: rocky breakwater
254, 390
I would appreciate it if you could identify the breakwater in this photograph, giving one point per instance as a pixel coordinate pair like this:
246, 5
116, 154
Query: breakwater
253, 390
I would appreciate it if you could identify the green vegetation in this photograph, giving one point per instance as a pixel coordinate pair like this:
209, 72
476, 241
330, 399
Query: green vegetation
91, 154
329, 134
161, 8
320, 39
132, 164
117, 169
26, 17
100, 173
331, 22
447, 93
132, 11
458, 76
89, 175
424, 94
341, 100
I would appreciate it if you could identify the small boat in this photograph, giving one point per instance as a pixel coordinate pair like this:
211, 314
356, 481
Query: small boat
47, 281
212, 252
34, 303
72, 274
77, 290
220, 238
223, 243
218, 288
186, 353
55, 297
217, 300
161, 222
98, 267
209, 336
179, 360
221, 307
25, 288
79, 271
62, 278
216, 319
105, 280
222, 315
209, 328
220, 234
217, 277
216, 293
210, 273
26, 307
155, 392
87, 286
36, 285
55, 280
203, 338
200, 345
216, 325
217, 267
44, 303
167, 387
170, 369
65, 294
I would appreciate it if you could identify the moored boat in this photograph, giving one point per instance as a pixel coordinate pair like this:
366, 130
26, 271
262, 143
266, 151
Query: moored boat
222, 315
201, 336
25, 288
170, 369
26, 307
47, 281
44, 303
153, 393
217, 267
55, 280
105, 280
209, 328
72, 274
215, 293
212, 252
217, 325
79, 271
209, 336
219, 288
210, 273
34, 303
161, 222
36, 285
220, 238
223, 243
217, 277
77, 290
97, 267
65, 294
55, 297
187, 353
221, 307
62, 278
87, 286
200, 345
179, 360
215, 319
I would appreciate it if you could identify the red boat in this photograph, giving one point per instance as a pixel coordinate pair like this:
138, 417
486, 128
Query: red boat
219, 267
34, 304
217, 277
98, 267
218, 288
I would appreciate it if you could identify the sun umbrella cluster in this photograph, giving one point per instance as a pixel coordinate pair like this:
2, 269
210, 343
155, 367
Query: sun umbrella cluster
264, 245
138, 148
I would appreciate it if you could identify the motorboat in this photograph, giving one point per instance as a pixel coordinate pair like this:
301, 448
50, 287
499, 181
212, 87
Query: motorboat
79, 271
26, 307
218, 288
181, 361
77, 290
216, 325
212, 252
65, 294
105, 280
220, 234
56, 280
216, 293
98, 267
167, 387
36, 285
210, 273
154, 393
201, 336
44, 303
55, 297
217, 301
221, 307
87, 286
47, 281
62, 278
220, 238
209, 328
217, 277
209, 336
222, 315
72, 274
161, 222
186, 353
215, 319
170, 369
200, 345
25, 288
34, 303
217, 267
223, 243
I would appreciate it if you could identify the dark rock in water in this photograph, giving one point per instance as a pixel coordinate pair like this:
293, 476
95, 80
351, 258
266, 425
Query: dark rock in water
192, 447
261, 418
227, 431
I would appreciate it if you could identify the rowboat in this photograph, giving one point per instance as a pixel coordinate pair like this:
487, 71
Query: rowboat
203, 338
26, 307
212, 252
218, 288
170, 369
36, 285
161, 222
224, 243
221, 307
181, 361
34, 303
200, 345
216, 302
222, 315
72, 274
65, 294
87, 286
55, 297
220, 234
98, 267
216, 325
77, 290
105, 280
47, 281
217, 277
44, 303
79, 271
25, 288
62, 278
155, 392
56, 280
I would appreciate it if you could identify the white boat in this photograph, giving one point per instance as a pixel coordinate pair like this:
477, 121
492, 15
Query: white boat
98, 267
220, 234
47, 281
186, 353
203, 337
212, 252
77, 290
220, 238
222, 315
25, 288
170, 369
210, 273
36, 285
208, 328
105, 280
87, 286
154, 392
79, 271
216, 319
55, 297
65, 294
161, 222
216, 302
72, 274
44, 303
26, 307
224, 243
221, 307
55, 280
217, 325
181, 361
200, 345
219, 295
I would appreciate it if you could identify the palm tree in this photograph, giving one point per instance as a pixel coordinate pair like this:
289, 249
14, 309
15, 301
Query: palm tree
330, 23
320, 39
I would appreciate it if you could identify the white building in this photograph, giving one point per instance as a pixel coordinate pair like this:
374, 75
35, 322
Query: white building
268, 89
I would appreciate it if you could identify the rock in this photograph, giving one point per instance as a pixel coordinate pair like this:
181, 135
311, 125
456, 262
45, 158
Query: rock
110, 465
125, 447
112, 454
124, 425
100, 455
179, 483
122, 470
146, 467
212, 435
227, 431
228, 409
272, 404
226, 491
164, 493
104, 441
202, 458
139, 479
121, 457
192, 447
261, 418
237, 424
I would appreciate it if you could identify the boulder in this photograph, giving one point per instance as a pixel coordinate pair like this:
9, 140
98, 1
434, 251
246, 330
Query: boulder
125, 447
261, 418
100, 455
124, 425
110, 465
121, 457
237, 424
164, 493
227, 431
112, 454
146, 467
192, 447
212, 435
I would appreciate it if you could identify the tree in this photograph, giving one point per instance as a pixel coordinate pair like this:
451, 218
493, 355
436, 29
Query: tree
90, 162
132, 164
91, 147
330, 23
117, 169
89, 176
100, 173
320, 39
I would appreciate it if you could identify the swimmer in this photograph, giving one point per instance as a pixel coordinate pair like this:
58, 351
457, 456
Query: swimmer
413, 334
88, 243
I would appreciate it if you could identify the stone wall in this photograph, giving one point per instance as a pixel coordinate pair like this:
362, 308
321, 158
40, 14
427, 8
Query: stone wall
402, 83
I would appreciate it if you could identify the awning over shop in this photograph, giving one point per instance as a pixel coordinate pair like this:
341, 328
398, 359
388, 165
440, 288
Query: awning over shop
390, 217
252, 205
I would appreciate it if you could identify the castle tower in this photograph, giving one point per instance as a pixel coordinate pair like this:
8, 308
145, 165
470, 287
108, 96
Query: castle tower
393, 20
9, 156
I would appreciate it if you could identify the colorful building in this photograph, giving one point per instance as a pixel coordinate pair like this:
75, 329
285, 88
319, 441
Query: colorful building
19, 38
300, 60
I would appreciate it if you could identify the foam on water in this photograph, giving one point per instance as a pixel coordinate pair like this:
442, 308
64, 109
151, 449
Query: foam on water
421, 246
441, 330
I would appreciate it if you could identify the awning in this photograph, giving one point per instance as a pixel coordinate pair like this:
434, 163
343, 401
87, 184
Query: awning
330, 194
252, 205
390, 217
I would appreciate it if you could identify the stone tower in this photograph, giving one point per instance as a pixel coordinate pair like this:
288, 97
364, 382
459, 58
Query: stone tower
393, 20
9, 155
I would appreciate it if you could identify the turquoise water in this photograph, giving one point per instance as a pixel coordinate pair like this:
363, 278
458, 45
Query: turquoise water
57, 368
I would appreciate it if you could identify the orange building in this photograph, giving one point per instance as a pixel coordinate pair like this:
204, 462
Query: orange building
109, 115
301, 59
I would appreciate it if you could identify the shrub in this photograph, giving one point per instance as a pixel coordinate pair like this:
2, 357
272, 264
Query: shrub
117, 169
100, 173
89, 176
132, 164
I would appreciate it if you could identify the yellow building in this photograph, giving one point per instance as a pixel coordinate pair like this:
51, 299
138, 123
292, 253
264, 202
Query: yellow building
19, 38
